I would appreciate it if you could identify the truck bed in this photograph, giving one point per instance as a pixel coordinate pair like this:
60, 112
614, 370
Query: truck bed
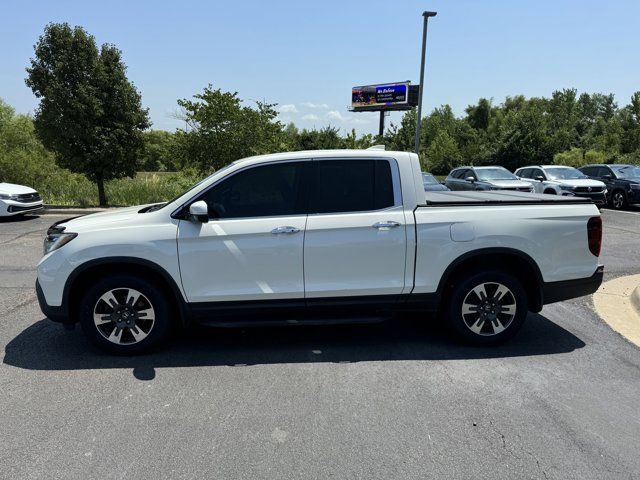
498, 197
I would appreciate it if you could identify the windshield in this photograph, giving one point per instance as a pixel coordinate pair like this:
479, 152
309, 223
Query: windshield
495, 174
429, 179
564, 173
626, 171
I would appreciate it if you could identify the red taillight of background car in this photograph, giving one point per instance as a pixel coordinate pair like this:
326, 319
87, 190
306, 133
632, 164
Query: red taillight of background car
594, 235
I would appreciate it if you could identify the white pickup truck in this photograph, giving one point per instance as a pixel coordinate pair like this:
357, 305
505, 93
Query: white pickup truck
318, 237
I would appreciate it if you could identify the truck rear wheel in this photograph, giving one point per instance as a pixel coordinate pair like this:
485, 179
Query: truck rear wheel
125, 315
487, 307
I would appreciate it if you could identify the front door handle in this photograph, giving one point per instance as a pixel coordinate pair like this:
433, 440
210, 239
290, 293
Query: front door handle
385, 225
286, 229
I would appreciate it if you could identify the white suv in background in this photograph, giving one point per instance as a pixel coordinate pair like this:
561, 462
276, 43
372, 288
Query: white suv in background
17, 199
562, 180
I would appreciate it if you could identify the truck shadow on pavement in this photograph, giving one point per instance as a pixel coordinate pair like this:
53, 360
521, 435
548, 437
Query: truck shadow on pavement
46, 346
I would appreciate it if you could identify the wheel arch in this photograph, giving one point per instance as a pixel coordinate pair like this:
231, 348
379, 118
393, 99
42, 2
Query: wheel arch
87, 273
509, 260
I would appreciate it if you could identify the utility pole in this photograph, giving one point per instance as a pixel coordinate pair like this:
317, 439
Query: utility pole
426, 16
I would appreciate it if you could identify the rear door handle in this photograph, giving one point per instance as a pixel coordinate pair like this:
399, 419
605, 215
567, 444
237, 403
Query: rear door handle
385, 225
286, 229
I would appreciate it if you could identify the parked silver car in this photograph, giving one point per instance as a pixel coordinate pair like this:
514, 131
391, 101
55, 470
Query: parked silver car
485, 178
563, 180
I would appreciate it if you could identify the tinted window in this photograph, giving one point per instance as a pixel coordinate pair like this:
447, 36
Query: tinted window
352, 186
602, 171
536, 172
588, 171
524, 173
263, 191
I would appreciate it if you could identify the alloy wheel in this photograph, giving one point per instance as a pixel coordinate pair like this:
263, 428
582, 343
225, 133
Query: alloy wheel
618, 200
489, 308
124, 316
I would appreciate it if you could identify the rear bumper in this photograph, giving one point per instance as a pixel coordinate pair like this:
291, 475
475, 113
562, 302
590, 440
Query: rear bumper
57, 314
558, 291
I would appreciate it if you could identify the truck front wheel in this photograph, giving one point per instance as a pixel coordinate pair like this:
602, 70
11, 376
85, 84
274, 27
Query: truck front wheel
487, 307
125, 315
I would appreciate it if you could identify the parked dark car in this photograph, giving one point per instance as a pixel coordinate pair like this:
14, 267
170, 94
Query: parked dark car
622, 181
485, 178
431, 183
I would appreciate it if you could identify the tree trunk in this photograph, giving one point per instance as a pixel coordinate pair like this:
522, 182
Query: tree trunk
102, 197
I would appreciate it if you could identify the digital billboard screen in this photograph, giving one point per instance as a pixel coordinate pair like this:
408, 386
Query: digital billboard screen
383, 95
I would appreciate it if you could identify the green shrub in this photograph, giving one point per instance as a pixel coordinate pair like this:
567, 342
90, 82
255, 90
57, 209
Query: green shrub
577, 158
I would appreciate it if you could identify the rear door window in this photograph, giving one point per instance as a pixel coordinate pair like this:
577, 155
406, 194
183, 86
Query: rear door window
351, 186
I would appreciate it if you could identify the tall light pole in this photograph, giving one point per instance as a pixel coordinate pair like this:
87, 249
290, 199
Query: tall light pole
426, 16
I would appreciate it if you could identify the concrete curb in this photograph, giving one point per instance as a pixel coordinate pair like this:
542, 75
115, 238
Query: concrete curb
617, 302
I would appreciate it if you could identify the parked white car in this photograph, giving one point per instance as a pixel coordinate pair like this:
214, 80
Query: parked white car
18, 199
561, 180
320, 236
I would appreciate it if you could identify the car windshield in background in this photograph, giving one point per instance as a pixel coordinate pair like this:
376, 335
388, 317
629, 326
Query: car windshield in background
557, 173
628, 171
495, 174
429, 179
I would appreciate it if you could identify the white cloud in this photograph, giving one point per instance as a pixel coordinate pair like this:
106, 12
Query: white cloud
335, 115
310, 117
319, 106
288, 108
361, 120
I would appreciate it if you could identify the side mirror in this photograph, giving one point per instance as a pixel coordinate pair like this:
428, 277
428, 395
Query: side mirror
540, 178
199, 211
607, 176
470, 179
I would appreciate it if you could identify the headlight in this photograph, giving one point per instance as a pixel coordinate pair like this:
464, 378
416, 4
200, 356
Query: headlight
635, 186
55, 240
6, 196
566, 188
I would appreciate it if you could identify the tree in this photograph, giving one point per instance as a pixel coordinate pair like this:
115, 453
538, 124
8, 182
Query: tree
90, 114
442, 154
222, 130
158, 152
523, 139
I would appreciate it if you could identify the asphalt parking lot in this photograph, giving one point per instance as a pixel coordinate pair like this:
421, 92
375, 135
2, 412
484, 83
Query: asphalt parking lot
396, 400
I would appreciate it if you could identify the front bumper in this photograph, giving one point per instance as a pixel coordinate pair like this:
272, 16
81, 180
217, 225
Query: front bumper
12, 207
558, 291
599, 198
57, 314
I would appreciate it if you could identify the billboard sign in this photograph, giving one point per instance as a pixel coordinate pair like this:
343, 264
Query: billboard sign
380, 96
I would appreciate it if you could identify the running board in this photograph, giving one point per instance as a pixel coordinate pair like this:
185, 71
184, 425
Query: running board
283, 323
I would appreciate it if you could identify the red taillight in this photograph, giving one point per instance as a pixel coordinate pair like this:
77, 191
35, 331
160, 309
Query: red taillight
594, 235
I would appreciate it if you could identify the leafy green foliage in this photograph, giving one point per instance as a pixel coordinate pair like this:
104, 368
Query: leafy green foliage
222, 130
90, 115
158, 154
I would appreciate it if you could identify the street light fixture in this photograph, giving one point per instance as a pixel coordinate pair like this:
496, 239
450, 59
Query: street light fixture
426, 16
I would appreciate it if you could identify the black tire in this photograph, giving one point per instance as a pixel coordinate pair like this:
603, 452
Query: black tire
489, 326
619, 200
550, 191
123, 287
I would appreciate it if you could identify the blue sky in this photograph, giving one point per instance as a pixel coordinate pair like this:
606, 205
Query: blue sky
306, 56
